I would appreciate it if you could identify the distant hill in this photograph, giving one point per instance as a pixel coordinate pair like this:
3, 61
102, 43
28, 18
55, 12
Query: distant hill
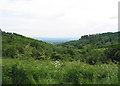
97, 40
55, 41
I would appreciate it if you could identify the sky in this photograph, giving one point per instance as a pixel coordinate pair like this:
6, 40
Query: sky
58, 18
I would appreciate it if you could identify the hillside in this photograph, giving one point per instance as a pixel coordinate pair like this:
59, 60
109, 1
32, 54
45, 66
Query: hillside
15, 44
96, 40
90, 49
92, 59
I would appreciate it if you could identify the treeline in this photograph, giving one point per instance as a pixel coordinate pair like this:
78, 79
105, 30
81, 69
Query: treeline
92, 49
103, 40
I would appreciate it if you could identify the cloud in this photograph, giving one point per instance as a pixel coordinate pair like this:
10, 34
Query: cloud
114, 17
58, 18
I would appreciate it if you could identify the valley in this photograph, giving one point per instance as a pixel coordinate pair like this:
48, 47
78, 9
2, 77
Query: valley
92, 59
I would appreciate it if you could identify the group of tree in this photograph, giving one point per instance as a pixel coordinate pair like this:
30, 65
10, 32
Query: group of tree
14, 45
92, 49
96, 48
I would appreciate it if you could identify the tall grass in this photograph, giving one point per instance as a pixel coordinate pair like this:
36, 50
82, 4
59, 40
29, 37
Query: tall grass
57, 72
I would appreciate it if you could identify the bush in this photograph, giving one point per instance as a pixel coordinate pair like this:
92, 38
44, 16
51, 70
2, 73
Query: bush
57, 72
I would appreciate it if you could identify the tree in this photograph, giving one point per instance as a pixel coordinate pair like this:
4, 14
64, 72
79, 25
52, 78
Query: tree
113, 52
56, 56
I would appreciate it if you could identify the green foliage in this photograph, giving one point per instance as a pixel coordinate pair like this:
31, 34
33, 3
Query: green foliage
57, 72
93, 49
89, 60
89, 49
113, 52
97, 40
15, 45
56, 56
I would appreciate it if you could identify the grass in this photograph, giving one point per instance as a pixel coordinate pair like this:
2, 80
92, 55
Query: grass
16, 71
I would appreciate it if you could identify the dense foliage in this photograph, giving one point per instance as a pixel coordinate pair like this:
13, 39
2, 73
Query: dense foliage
97, 40
93, 49
56, 72
92, 59
15, 45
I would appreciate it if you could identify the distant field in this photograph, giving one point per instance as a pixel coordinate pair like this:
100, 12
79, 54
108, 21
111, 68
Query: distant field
55, 41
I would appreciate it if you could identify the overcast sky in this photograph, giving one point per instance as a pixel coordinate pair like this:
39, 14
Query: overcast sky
58, 18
